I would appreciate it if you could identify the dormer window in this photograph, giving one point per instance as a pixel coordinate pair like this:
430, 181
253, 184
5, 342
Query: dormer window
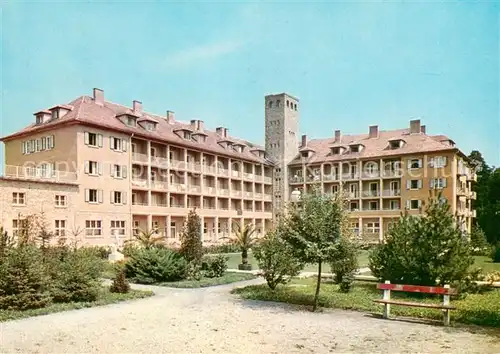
55, 113
39, 119
150, 126
355, 148
187, 135
238, 147
200, 138
305, 153
337, 150
396, 143
131, 121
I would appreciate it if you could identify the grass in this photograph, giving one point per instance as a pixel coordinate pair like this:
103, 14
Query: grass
105, 298
486, 264
227, 278
479, 309
235, 259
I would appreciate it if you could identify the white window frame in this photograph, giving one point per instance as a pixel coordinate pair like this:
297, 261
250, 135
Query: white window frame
118, 227
93, 228
18, 225
90, 192
410, 204
417, 162
120, 196
372, 227
438, 183
93, 168
136, 227
60, 200
394, 202
410, 184
370, 203
60, 228
89, 137
18, 198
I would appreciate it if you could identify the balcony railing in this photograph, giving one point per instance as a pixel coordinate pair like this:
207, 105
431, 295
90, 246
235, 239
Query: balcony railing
248, 194
392, 209
370, 209
391, 192
194, 188
222, 171
209, 190
177, 187
222, 191
177, 164
248, 175
473, 195
370, 174
391, 173
296, 179
258, 177
258, 196
235, 173
140, 182
159, 184
162, 204
39, 173
371, 194
236, 193
194, 166
331, 177
268, 179
159, 160
175, 204
137, 157
461, 191
268, 197
209, 169
313, 178
347, 176
351, 195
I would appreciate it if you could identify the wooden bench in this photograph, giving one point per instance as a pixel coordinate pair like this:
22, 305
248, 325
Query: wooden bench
446, 291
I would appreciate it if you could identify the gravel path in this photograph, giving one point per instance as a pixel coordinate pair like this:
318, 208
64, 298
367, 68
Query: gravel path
214, 321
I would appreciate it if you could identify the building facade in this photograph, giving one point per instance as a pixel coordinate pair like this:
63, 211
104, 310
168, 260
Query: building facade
105, 171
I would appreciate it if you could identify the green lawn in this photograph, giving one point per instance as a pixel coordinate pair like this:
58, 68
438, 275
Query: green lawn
105, 298
227, 278
481, 309
235, 259
486, 264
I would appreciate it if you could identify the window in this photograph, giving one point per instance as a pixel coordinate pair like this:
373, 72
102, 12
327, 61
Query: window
55, 113
93, 196
354, 148
354, 226
173, 229
136, 227
93, 227
278, 103
395, 144
270, 104
373, 205
414, 184
118, 171
118, 227
39, 119
60, 200
414, 204
18, 198
414, 163
438, 183
156, 227
131, 121
93, 139
60, 228
394, 205
118, 197
373, 227
187, 135
117, 144
93, 168
438, 162
18, 226
205, 228
353, 206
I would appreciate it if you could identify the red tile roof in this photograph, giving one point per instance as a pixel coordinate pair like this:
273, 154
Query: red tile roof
86, 111
372, 147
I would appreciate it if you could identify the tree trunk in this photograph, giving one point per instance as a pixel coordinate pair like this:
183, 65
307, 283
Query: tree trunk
244, 256
318, 284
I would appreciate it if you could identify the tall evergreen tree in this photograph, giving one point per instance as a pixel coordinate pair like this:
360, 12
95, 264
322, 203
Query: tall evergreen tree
191, 244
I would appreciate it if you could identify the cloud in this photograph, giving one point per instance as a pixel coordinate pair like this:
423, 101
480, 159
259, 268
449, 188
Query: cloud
202, 52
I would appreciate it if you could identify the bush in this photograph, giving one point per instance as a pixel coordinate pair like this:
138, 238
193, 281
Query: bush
344, 261
24, 283
120, 284
225, 248
424, 250
76, 276
214, 266
346, 283
276, 259
193, 271
151, 265
492, 277
128, 249
495, 253
478, 242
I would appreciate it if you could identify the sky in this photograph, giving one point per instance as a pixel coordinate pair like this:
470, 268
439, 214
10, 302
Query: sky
350, 64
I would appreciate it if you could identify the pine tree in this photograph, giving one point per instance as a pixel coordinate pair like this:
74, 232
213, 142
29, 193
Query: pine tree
191, 244
424, 250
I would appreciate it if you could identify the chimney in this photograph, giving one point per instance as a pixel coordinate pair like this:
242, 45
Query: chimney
415, 126
197, 124
422, 129
137, 105
304, 141
170, 117
373, 131
221, 131
99, 96
338, 136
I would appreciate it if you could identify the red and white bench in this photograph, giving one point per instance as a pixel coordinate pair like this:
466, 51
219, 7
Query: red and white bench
446, 291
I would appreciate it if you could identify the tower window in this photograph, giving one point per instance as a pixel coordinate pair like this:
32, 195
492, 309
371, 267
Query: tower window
287, 103
295, 106
270, 104
278, 103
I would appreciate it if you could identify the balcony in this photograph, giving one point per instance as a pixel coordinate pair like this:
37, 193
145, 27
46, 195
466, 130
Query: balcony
177, 187
258, 178
391, 193
391, 174
313, 178
370, 209
141, 158
39, 173
473, 214
461, 192
159, 161
258, 195
352, 195
140, 182
268, 197
392, 209
370, 174
208, 169
473, 195
296, 180
194, 189
235, 173
223, 172
248, 175
160, 204
349, 176
222, 191
177, 164
268, 179
371, 194
209, 190
194, 166
236, 193
248, 194
472, 177
159, 184
331, 177
176, 204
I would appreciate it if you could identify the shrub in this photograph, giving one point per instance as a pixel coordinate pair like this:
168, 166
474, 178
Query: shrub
193, 271
214, 266
76, 276
346, 283
120, 283
151, 265
23, 279
424, 250
495, 253
100, 251
276, 259
224, 248
128, 249
344, 261
191, 245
